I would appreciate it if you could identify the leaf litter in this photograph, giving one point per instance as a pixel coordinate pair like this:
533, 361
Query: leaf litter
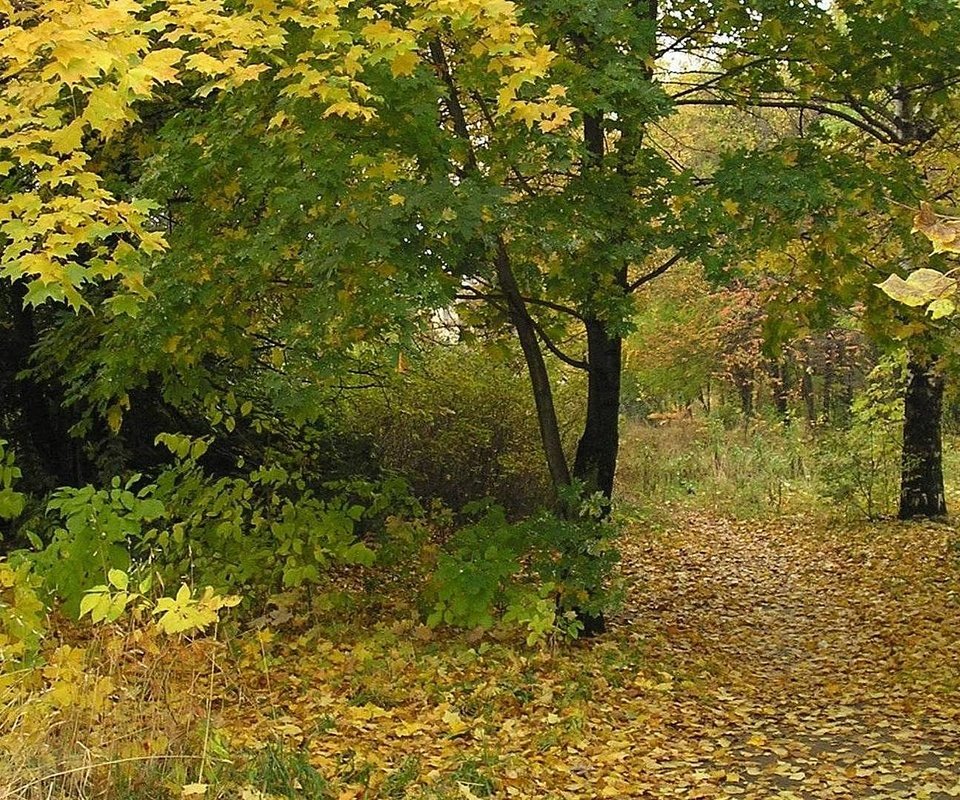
789, 658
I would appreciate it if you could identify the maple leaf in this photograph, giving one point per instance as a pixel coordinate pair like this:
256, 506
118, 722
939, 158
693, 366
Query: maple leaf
404, 64
943, 231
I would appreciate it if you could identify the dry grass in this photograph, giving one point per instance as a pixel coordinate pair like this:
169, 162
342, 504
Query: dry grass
104, 710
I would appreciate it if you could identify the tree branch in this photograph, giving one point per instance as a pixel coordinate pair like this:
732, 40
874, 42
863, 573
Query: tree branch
783, 103
654, 273
553, 348
534, 301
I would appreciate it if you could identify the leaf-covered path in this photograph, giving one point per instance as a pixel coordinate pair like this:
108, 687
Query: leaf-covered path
835, 656
788, 659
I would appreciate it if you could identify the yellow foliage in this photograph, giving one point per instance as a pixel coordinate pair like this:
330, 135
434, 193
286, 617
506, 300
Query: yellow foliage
73, 74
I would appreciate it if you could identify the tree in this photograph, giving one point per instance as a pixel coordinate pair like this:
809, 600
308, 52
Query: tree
478, 151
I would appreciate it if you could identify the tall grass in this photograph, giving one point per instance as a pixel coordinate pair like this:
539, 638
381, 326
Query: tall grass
765, 468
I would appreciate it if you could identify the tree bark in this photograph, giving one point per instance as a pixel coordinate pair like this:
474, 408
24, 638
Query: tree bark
921, 471
744, 383
780, 375
537, 369
595, 464
806, 390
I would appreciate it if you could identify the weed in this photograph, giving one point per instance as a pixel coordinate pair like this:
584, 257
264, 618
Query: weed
280, 772
398, 782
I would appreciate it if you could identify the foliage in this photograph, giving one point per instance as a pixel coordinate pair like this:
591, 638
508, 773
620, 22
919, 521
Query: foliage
22, 616
859, 467
458, 423
11, 502
926, 287
180, 614
75, 78
538, 573
260, 532
96, 531
943, 231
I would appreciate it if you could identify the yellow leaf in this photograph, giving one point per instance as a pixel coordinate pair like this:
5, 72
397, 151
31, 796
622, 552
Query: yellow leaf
404, 64
206, 64
161, 64
68, 139
407, 729
454, 723
115, 417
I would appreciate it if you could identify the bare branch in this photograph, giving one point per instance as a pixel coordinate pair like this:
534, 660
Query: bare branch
783, 103
654, 273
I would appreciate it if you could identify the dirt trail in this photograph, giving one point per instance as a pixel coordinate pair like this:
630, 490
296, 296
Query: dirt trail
830, 658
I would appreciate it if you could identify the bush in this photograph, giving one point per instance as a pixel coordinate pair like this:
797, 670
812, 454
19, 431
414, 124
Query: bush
859, 467
258, 533
460, 425
540, 574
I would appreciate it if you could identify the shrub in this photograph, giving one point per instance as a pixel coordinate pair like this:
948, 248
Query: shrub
538, 574
257, 533
859, 467
460, 425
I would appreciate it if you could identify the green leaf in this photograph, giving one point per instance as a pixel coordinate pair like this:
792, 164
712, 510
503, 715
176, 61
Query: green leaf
943, 307
119, 579
89, 600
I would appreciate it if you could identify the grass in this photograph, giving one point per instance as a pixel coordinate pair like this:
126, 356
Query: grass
764, 469
122, 713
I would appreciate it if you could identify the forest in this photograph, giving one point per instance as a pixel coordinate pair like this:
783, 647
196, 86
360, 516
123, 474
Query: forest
456, 399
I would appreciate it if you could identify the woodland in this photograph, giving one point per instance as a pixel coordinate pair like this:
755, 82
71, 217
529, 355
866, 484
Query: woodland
445, 399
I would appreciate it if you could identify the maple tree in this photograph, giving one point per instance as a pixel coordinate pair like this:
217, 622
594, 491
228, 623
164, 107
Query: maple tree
325, 177
530, 182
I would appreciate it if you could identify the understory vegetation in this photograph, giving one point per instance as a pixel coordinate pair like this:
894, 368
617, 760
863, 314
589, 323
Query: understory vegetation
444, 399
324, 654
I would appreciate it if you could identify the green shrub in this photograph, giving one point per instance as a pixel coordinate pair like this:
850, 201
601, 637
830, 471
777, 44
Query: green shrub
93, 533
258, 533
460, 424
859, 467
538, 574
11, 502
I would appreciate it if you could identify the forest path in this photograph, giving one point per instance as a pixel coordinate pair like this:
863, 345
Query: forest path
790, 658
821, 661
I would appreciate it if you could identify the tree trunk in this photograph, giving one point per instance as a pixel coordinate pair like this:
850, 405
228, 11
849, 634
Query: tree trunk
806, 391
779, 372
744, 383
596, 460
595, 464
536, 368
921, 471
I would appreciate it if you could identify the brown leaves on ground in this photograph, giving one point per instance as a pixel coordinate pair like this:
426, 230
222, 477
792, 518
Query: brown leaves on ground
788, 659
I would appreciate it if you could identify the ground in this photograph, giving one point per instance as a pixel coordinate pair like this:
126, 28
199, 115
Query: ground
795, 658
